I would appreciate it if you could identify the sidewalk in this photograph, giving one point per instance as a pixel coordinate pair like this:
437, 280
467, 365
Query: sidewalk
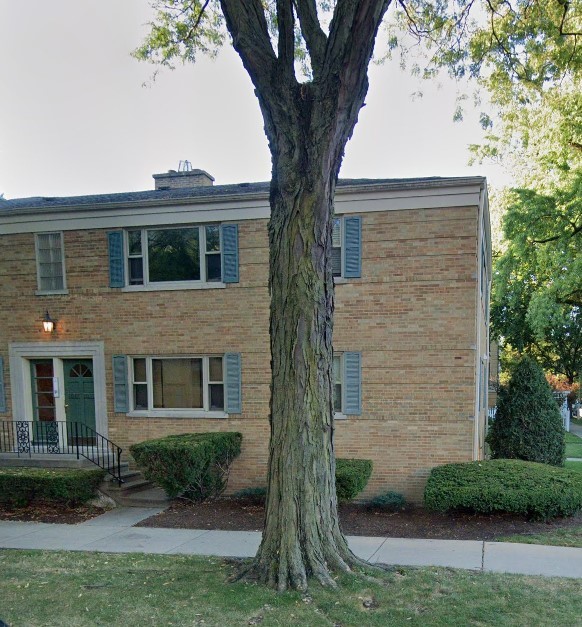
113, 532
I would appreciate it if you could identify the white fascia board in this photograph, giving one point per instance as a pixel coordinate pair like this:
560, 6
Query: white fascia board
347, 201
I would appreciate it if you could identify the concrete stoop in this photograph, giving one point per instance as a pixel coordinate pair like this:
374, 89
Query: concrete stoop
135, 491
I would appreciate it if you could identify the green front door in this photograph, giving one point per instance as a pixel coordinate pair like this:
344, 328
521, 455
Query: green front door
80, 398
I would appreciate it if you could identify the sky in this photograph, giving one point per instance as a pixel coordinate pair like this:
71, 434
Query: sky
79, 115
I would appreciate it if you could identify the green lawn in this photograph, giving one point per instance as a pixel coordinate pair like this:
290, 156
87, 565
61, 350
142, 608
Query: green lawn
80, 589
559, 537
576, 466
573, 445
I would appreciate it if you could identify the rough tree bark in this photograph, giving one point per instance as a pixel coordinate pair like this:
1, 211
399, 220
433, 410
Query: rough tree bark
307, 125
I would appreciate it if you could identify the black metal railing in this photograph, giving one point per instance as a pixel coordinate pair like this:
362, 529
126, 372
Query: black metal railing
25, 438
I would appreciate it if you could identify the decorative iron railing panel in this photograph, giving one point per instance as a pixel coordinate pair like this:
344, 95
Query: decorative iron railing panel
24, 438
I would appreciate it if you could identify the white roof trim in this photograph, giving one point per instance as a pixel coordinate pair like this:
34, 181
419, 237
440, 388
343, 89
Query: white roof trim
201, 210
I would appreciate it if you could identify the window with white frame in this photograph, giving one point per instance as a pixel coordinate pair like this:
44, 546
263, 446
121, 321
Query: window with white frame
187, 383
336, 248
171, 255
50, 263
337, 384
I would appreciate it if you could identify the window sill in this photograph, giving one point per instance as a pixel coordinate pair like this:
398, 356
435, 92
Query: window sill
340, 280
53, 293
186, 285
177, 413
338, 416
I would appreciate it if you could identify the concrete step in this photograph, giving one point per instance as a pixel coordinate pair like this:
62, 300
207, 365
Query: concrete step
150, 497
135, 491
48, 460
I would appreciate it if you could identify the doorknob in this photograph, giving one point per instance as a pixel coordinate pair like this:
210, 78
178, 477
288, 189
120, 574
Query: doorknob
66, 406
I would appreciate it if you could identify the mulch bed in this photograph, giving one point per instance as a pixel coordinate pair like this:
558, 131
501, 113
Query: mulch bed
50, 513
360, 520
356, 520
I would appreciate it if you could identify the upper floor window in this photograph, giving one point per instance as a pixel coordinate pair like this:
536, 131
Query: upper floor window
50, 263
168, 255
173, 257
346, 247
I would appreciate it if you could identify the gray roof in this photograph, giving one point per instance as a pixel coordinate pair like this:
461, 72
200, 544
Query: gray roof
213, 192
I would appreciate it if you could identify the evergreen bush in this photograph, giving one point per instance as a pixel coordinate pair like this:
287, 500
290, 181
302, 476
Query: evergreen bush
538, 491
255, 496
388, 502
22, 486
351, 477
527, 424
192, 465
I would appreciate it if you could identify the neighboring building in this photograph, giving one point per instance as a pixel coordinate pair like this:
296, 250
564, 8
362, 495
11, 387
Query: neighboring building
161, 306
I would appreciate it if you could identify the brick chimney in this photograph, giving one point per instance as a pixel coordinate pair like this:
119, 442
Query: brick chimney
173, 179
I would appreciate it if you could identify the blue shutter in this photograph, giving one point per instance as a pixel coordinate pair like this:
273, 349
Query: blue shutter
2, 390
352, 247
233, 395
116, 259
120, 396
353, 383
229, 234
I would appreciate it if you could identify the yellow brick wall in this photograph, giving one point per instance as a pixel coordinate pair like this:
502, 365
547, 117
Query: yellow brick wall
412, 315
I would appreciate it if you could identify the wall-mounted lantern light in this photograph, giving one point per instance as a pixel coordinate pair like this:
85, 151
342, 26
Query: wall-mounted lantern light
48, 324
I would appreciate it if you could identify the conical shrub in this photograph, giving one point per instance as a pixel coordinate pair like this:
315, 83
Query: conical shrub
528, 424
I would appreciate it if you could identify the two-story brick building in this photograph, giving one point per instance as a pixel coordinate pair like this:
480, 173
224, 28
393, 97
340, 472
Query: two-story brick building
160, 308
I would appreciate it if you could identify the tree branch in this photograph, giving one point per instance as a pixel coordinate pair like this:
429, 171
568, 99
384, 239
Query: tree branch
247, 25
286, 41
315, 38
561, 29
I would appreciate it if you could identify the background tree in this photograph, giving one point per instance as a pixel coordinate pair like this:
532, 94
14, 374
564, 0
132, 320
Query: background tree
528, 424
308, 63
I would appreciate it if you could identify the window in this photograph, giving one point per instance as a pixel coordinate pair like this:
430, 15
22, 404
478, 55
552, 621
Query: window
171, 255
346, 247
178, 383
336, 248
347, 383
50, 263
337, 384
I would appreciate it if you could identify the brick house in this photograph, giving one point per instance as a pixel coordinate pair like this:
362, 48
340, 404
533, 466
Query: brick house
160, 304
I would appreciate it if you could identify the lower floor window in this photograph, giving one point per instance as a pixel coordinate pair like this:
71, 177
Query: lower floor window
178, 383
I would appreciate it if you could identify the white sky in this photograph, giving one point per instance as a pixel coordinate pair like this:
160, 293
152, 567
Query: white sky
76, 119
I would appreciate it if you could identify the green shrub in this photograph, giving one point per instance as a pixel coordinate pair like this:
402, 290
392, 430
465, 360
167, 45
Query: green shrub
527, 424
388, 502
21, 486
538, 491
193, 465
351, 477
255, 496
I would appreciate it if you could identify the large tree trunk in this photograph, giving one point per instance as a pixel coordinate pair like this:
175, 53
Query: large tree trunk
308, 125
302, 536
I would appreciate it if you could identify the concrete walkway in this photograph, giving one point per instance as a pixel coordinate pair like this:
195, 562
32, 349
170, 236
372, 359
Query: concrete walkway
113, 532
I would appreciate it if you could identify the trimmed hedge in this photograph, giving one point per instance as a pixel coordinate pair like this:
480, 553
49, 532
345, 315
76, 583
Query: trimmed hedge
351, 477
538, 491
21, 486
193, 465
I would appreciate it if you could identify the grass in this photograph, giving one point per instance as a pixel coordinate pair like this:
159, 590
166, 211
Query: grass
81, 589
573, 445
575, 466
559, 537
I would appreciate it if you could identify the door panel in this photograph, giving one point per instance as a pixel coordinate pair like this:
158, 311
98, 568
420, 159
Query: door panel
80, 396
44, 428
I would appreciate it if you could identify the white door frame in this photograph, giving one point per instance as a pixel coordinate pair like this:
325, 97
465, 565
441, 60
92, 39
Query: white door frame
20, 382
